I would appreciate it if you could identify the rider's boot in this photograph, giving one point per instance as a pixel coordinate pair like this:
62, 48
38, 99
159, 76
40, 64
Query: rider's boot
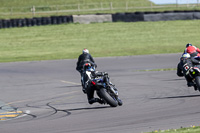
84, 90
83, 87
190, 83
94, 100
195, 87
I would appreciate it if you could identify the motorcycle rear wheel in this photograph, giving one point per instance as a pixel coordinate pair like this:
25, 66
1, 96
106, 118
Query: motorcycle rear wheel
104, 95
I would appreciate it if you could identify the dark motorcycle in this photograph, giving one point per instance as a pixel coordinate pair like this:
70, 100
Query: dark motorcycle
99, 81
194, 72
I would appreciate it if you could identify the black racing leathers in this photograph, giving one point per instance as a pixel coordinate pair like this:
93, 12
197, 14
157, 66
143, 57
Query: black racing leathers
187, 64
180, 68
86, 58
83, 58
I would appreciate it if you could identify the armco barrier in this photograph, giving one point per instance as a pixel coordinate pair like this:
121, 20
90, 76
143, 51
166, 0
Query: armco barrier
123, 17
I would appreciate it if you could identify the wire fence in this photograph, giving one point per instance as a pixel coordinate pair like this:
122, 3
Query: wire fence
87, 7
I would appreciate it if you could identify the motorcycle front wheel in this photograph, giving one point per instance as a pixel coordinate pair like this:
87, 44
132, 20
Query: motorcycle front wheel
110, 100
197, 79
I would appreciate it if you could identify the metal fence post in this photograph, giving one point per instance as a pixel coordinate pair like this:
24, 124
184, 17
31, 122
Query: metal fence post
126, 6
11, 11
101, 6
33, 10
78, 7
111, 6
57, 9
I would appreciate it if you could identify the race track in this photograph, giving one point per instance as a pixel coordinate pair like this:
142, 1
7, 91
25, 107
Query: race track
49, 95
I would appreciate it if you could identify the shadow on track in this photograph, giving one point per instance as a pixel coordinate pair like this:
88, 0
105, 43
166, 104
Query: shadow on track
173, 97
70, 86
92, 108
54, 113
69, 111
177, 79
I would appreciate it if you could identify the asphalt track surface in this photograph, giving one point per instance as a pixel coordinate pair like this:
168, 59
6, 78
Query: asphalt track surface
50, 96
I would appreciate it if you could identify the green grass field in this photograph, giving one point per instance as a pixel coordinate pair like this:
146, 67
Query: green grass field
14, 8
24, 3
102, 39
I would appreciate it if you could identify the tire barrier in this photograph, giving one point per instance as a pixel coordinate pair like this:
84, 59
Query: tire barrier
53, 20
156, 16
117, 17
6, 23
168, 16
21, 22
197, 15
128, 17
27, 22
1, 25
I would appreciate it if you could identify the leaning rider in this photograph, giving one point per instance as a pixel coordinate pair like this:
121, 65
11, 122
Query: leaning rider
186, 66
188, 63
85, 57
192, 50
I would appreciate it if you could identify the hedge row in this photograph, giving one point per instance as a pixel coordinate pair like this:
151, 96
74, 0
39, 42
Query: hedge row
35, 21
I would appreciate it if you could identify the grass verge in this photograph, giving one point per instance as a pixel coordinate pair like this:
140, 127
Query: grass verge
192, 129
102, 39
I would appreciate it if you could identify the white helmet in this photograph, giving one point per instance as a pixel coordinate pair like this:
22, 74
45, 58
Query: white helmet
186, 55
85, 51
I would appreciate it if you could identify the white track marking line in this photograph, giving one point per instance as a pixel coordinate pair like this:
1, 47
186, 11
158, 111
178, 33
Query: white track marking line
68, 82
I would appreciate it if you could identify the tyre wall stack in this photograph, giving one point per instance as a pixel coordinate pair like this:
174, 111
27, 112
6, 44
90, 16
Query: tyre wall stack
99, 18
156, 16
27, 22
